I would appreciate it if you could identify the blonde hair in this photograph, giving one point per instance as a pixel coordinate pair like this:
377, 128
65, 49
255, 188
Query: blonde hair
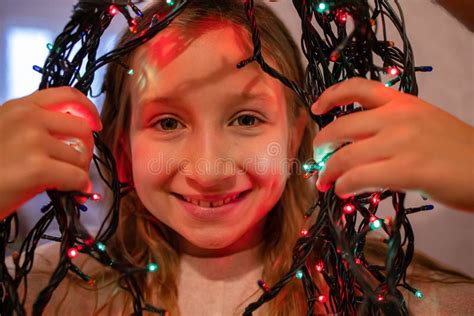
140, 237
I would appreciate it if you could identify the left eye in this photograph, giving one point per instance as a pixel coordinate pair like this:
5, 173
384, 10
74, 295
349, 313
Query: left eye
247, 120
168, 123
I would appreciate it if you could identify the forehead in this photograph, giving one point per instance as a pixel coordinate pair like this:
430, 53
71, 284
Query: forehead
205, 57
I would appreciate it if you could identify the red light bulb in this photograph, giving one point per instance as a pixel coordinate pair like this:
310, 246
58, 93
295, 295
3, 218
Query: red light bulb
375, 199
380, 297
72, 253
393, 71
304, 232
113, 10
373, 218
341, 16
133, 26
349, 209
319, 266
89, 242
322, 299
358, 261
95, 197
334, 56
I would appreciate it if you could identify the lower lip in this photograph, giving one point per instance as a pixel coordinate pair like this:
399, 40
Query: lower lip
212, 213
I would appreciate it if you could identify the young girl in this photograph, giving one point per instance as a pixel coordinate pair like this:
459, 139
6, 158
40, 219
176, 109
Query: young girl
208, 151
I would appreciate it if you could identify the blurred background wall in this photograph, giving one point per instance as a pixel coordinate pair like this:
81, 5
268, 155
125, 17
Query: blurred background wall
437, 38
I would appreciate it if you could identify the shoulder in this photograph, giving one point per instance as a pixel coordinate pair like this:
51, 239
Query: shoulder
73, 293
443, 294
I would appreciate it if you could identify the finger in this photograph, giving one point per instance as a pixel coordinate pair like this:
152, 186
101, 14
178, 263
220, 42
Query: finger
58, 150
353, 127
67, 100
62, 125
370, 94
65, 177
356, 154
83, 200
69, 129
388, 173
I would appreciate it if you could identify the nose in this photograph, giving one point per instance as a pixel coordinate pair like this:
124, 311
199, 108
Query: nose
210, 165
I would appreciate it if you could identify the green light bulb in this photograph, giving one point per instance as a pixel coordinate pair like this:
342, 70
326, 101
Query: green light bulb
418, 294
322, 7
51, 48
101, 246
152, 267
131, 72
376, 224
299, 275
170, 2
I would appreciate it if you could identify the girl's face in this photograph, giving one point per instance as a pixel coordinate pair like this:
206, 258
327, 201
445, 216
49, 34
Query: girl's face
204, 130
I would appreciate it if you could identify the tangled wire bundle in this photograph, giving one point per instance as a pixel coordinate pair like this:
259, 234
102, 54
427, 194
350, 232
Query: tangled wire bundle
333, 54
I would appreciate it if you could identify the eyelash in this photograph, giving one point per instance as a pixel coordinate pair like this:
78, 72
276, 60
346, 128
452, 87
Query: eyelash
258, 120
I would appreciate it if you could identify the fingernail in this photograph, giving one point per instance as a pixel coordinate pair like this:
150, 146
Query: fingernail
75, 143
81, 200
323, 187
322, 151
315, 107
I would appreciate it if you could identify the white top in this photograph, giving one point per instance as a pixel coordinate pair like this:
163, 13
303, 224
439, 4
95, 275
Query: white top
216, 286
219, 286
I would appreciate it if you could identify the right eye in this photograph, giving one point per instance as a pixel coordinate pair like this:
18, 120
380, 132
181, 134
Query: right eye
167, 124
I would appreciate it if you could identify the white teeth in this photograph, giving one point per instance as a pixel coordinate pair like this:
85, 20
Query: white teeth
211, 204
204, 203
218, 203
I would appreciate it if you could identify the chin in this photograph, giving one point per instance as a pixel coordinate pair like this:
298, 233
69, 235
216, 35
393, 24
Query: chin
212, 245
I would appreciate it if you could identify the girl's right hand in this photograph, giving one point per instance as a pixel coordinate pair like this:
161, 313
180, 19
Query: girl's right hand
35, 156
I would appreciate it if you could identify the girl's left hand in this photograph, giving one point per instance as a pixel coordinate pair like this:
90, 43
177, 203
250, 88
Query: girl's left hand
399, 143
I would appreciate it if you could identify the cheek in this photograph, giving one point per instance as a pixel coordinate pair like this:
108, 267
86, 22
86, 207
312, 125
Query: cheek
269, 160
151, 167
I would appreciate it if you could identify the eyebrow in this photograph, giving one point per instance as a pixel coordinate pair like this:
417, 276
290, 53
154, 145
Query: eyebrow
177, 101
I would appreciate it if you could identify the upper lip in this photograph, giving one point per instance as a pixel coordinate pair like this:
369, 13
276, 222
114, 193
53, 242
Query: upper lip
213, 197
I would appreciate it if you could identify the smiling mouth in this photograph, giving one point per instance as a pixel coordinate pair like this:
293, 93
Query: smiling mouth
213, 204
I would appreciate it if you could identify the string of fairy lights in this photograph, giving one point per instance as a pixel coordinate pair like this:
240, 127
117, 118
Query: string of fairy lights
332, 247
